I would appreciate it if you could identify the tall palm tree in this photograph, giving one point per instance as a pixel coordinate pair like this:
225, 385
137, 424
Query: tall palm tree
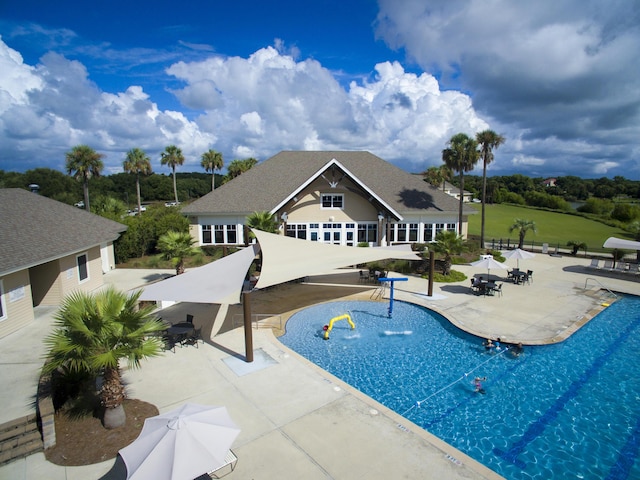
93, 332
461, 156
238, 167
137, 162
264, 221
522, 226
212, 161
173, 157
448, 243
83, 162
488, 140
177, 246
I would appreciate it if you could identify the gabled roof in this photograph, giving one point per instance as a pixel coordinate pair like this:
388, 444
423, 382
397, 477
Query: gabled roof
35, 230
270, 183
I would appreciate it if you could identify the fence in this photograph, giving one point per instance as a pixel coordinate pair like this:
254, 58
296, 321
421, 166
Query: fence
259, 320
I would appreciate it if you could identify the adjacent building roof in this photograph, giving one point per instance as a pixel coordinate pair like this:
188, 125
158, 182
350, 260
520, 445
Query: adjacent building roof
270, 183
35, 230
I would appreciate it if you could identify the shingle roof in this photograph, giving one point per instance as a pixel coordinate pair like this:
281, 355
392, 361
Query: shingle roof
267, 184
36, 229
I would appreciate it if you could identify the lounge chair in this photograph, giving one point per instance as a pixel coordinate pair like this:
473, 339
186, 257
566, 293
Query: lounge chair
595, 263
621, 267
608, 265
230, 460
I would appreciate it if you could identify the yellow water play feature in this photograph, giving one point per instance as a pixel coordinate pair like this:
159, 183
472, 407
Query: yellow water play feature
327, 328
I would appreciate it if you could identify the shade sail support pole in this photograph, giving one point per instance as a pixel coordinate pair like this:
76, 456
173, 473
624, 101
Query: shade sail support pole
248, 334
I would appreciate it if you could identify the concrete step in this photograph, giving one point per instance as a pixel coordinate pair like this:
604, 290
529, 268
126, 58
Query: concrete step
19, 438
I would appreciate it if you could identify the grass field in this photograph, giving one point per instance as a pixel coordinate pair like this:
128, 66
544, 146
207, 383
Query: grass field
552, 228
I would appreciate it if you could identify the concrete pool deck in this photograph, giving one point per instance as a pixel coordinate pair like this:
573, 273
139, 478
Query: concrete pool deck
297, 420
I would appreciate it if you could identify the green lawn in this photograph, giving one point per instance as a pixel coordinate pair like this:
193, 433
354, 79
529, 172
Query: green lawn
552, 228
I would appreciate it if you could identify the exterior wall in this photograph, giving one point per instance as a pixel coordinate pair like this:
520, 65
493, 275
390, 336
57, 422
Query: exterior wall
45, 285
108, 257
196, 229
16, 302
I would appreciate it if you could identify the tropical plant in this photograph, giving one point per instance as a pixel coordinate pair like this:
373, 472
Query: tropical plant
238, 167
93, 332
488, 140
176, 246
437, 176
448, 243
461, 156
212, 161
522, 226
83, 162
575, 246
109, 207
264, 221
137, 162
173, 157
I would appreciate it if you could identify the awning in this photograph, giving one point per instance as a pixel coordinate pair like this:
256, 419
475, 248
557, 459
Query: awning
613, 242
286, 258
217, 282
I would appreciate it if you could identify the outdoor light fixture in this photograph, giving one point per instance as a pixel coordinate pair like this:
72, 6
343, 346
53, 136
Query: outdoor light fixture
284, 216
380, 217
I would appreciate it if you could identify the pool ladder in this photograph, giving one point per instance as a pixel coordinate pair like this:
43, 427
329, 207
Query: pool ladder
601, 285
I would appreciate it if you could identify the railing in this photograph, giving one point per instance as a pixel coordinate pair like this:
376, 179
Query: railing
259, 320
601, 286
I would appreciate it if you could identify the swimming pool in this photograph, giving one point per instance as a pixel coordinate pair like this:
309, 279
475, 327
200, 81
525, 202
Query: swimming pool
571, 408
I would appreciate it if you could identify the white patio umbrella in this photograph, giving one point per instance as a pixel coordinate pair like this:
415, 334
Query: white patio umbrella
489, 263
518, 254
181, 444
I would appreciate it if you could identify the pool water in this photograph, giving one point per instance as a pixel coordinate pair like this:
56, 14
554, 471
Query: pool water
569, 410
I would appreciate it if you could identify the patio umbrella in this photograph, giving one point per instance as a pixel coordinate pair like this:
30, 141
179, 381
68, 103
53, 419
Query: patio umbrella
489, 263
181, 444
518, 254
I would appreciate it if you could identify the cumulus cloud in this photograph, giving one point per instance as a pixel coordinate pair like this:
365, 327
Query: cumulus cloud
566, 70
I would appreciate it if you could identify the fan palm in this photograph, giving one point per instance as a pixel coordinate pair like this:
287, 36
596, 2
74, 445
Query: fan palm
93, 332
461, 156
173, 157
212, 161
264, 221
522, 226
177, 246
448, 243
488, 140
139, 163
83, 162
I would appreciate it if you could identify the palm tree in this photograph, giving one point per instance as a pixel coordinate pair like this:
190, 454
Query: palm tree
487, 140
238, 167
264, 221
139, 163
93, 332
461, 156
176, 246
83, 162
173, 157
522, 226
212, 161
448, 243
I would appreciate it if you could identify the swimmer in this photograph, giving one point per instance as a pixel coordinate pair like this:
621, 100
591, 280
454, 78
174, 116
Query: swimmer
477, 382
517, 350
488, 345
498, 347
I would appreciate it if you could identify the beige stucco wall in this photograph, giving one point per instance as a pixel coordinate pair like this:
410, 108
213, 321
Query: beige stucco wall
16, 301
308, 208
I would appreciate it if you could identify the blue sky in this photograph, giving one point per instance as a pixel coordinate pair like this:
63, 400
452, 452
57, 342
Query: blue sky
560, 80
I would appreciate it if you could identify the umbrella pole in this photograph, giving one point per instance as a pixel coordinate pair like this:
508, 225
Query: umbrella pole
248, 334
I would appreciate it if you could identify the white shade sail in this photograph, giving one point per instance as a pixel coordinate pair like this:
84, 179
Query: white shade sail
286, 258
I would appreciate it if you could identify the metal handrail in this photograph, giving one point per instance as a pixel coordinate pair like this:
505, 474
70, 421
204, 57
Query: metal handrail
601, 285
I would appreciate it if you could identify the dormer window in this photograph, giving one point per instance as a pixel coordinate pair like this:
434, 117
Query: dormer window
332, 200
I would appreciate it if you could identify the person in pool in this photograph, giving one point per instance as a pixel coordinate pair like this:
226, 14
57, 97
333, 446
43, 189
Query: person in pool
516, 350
488, 344
477, 382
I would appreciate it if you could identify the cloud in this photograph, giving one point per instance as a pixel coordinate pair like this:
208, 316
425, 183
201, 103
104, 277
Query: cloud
539, 70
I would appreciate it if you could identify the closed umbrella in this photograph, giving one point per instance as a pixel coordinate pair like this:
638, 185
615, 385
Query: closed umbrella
518, 254
489, 263
181, 444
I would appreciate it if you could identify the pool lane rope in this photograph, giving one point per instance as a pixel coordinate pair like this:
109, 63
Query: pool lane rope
466, 375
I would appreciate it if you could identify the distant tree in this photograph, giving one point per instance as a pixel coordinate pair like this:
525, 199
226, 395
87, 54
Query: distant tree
488, 140
94, 332
625, 212
437, 176
448, 243
109, 207
238, 167
212, 161
575, 246
461, 156
139, 163
177, 246
173, 157
83, 162
522, 226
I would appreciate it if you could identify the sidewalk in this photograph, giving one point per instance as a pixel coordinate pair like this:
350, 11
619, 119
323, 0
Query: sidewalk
297, 420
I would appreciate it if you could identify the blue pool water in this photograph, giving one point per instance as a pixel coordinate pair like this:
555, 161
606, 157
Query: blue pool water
570, 409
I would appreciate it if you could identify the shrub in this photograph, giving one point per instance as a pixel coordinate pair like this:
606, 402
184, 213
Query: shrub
454, 276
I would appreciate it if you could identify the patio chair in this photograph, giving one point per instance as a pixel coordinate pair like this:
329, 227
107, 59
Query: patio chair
230, 461
608, 265
498, 290
621, 267
171, 340
529, 276
364, 276
190, 318
595, 263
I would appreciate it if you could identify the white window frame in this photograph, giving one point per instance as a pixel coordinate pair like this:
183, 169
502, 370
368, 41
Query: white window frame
332, 195
86, 264
3, 304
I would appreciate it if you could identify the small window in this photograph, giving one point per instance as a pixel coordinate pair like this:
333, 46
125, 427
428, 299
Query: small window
206, 234
83, 267
335, 201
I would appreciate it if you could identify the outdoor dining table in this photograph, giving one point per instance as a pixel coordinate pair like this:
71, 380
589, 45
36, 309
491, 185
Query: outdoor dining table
518, 276
486, 287
183, 328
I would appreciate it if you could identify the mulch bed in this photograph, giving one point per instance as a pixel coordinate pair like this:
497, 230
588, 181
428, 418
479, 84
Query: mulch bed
84, 441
